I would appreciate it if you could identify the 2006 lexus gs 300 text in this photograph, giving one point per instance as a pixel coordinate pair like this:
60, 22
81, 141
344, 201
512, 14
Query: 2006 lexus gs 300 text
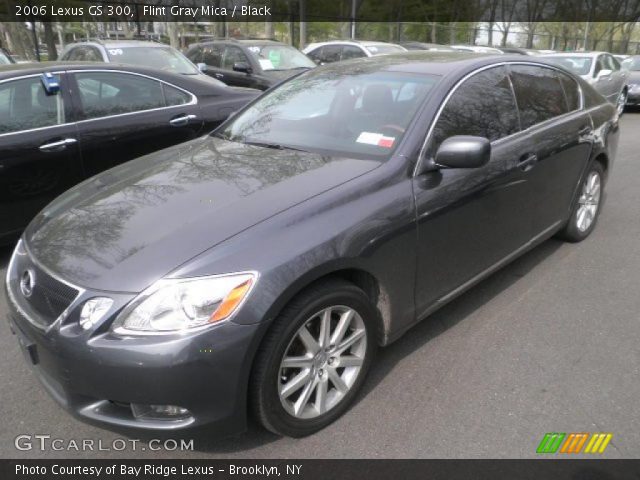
257, 269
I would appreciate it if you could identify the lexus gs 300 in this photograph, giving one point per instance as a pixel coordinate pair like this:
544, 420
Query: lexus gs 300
256, 270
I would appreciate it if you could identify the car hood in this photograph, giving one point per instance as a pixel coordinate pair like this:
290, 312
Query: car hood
129, 226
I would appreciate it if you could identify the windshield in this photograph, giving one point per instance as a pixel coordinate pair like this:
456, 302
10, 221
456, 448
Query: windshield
632, 64
280, 57
578, 65
4, 59
382, 49
162, 58
353, 114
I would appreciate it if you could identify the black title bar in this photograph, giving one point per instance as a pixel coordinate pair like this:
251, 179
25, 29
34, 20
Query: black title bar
556, 469
434, 11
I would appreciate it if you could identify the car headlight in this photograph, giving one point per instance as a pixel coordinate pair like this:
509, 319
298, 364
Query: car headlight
174, 305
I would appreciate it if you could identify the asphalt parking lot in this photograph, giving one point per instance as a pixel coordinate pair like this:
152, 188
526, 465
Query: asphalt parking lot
548, 344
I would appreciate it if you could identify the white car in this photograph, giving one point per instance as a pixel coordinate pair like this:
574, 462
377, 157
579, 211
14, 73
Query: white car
335, 51
601, 70
477, 49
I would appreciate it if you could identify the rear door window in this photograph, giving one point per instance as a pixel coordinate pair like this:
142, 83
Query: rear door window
571, 91
109, 93
331, 53
92, 55
482, 106
174, 96
351, 51
539, 94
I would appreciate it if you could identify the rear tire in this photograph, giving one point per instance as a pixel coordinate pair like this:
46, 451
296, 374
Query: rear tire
586, 206
301, 381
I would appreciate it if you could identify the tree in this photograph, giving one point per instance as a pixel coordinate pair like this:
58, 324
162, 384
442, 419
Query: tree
507, 11
50, 38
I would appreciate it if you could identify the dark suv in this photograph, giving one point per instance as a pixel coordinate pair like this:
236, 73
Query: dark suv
249, 63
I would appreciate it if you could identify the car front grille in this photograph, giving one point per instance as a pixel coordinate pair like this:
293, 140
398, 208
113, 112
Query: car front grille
50, 297
46, 299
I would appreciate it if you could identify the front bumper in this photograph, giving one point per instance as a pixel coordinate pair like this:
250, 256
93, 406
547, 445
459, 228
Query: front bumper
97, 375
633, 97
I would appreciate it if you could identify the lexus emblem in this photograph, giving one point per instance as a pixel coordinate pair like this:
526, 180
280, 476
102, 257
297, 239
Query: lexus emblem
26, 283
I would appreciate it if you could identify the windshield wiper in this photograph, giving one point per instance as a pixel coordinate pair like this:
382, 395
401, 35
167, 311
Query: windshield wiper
275, 146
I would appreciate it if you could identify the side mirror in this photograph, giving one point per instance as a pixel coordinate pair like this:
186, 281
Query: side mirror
242, 67
202, 67
463, 151
604, 73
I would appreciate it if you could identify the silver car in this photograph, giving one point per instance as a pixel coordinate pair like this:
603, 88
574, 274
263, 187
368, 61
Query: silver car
602, 70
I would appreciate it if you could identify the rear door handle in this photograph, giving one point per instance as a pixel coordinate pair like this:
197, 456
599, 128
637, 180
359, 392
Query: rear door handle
57, 145
218, 75
182, 120
528, 161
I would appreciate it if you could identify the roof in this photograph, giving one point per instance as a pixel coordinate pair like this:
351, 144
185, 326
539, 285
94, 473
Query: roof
121, 43
198, 84
352, 42
573, 54
240, 41
433, 62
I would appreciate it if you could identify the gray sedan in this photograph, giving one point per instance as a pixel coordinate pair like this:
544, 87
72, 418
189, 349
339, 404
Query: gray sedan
602, 70
632, 66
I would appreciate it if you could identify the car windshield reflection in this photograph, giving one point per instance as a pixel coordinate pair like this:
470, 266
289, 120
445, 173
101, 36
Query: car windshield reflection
359, 114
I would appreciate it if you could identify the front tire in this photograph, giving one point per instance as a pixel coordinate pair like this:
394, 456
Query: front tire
586, 206
314, 359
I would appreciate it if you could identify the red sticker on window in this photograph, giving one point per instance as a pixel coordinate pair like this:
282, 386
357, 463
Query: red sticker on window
386, 142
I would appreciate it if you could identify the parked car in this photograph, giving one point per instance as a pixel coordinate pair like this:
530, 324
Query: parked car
249, 63
621, 58
5, 58
518, 51
601, 70
103, 115
632, 65
477, 49
260, 267
338, 50
131, 52
432, 47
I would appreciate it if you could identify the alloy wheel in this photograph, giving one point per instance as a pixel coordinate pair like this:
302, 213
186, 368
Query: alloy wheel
322, 362
589, 201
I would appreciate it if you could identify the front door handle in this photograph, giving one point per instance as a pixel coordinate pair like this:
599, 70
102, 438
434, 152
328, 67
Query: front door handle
528, 161
57, 145
218, 75
182, 120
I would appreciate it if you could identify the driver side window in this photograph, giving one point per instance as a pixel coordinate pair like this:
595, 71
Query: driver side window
233, 55
483, 106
